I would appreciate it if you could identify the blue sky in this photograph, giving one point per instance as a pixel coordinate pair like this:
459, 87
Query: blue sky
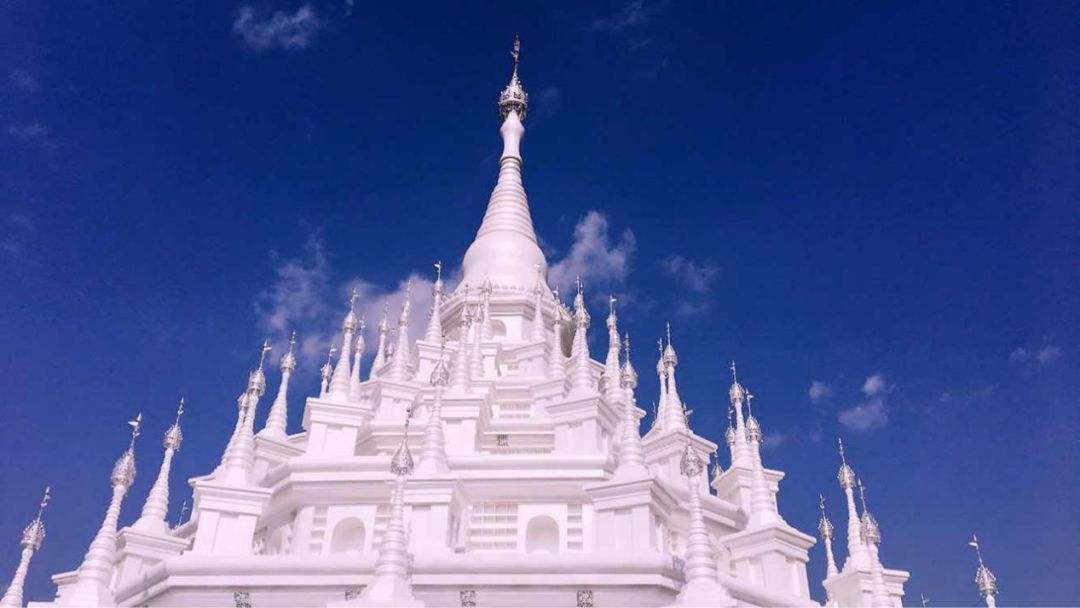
872, 207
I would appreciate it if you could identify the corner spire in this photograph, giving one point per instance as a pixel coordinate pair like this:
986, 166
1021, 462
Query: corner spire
32, 537
156, 506
985, 579
825, 529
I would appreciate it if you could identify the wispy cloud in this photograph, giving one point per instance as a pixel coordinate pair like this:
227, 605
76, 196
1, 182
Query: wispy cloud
872, 413
1042, 356
630, 15
695, 276
292, 31
819, 391
602, 263
549, 101
28, 132
15, 230
23, 80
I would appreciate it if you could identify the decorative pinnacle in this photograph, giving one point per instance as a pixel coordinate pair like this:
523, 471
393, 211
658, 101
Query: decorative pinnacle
868, 528
440, 375
514, 97
173, 436
353, 299
845, 477
265, 349
669, 356
183, 511
47, 496
288, 360
825, 527
438, 271
136, 429
985, 579
34, 533
402, 462
628, 377
179, 411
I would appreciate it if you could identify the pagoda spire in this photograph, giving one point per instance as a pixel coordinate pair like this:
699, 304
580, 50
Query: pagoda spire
476, 354
240, 453
278, 419
359, 346
96, 572
702, 587
538, 333
857, 553
984, 579
505, 249
631, 455
339, 382
326, 372
672, 411
459, 372
391, 585
718, 470
580, 374
433, 450
434, 330
380, 350
399, 364
32, 537
156, 507
762, 505
826, 529
660, 406
556, 359
736, 396
611, 363
870, 534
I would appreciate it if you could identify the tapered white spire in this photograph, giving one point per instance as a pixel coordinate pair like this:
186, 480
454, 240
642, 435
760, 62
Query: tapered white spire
580, 362
476, 355
391, 585
537, 331
826, 529
870, 534
762, 506
326, 372
631, 454
359, 346
717, 470
984, 579
32, 537
434, 330
399, 363
240, 454
433, 450
702, 587
278, 419
660, 406
380, 351
556, 359
611, 364
736, 396
96, 572
156, 507
672, 408
505, 249
459, 371
339, 383
858, 555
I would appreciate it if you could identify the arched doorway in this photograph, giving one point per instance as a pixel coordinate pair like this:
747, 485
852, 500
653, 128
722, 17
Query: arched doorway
542, 535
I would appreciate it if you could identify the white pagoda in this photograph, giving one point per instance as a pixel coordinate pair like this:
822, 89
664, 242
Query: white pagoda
531, 483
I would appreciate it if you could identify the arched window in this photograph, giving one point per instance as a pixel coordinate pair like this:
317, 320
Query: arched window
498, 328
542, 535
348, 536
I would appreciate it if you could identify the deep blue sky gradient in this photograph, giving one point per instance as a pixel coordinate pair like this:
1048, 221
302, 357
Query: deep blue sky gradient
883, 188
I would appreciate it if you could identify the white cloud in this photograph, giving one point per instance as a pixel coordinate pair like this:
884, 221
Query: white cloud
773, 439
21, 79
695, 276
629, 15
819, 391
866, 416
549, 101
28, 132
1043, 356
875, 385
602, 265
281, 30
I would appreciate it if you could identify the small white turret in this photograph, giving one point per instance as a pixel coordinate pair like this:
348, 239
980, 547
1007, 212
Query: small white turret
580, 374
870, 534
339, 383
96, 572
611, 364
399, 364
380, 350
326, 372
858, 557
433, 457
358, 355
32, 537
278, 418
434, 330
672, 409
631, 454
826, 529
156, 507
